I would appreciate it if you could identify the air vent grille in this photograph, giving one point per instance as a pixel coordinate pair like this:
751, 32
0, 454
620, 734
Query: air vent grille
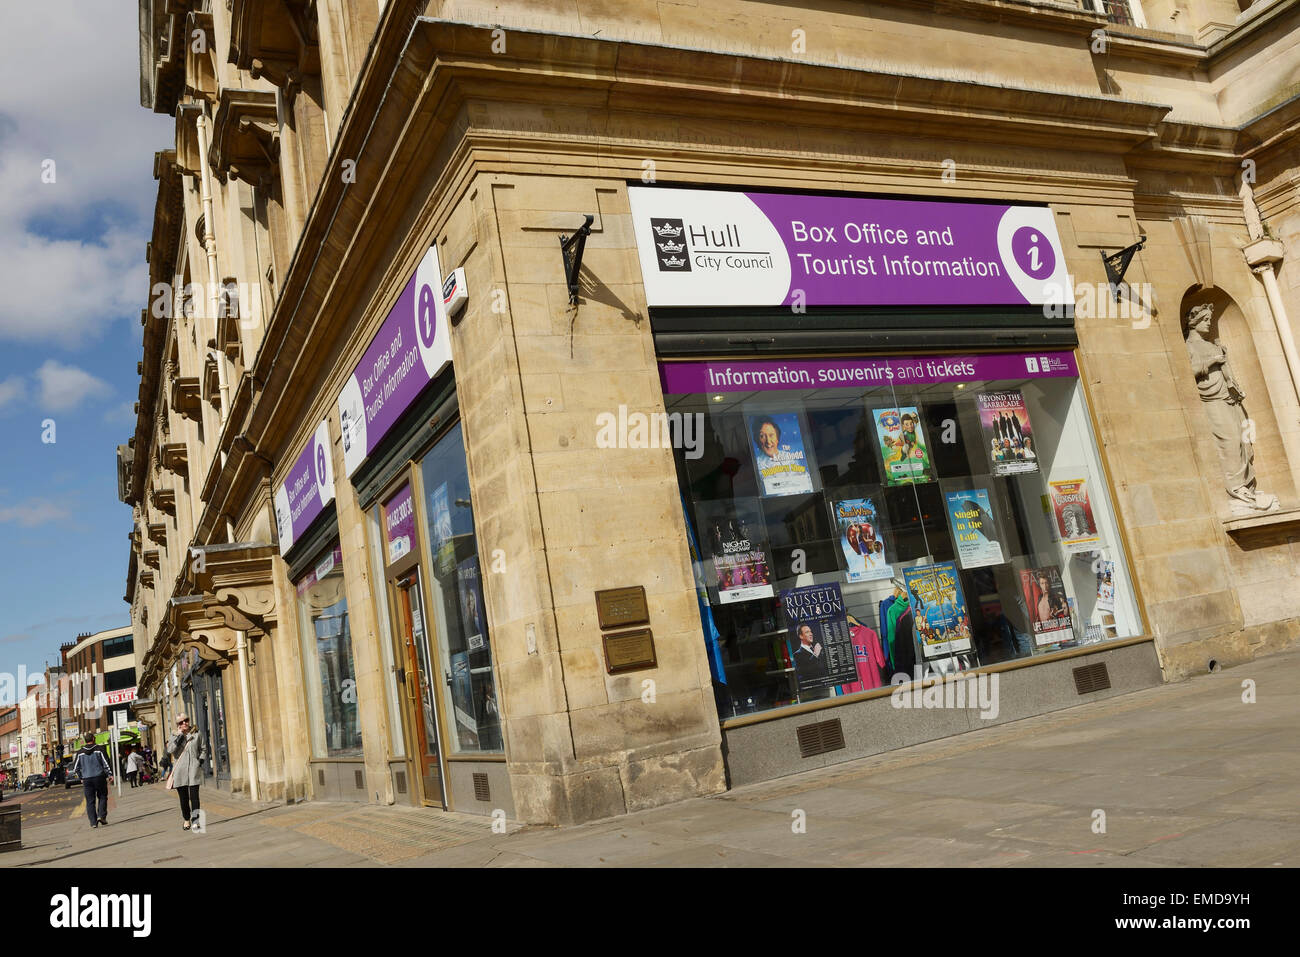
1091, 678
361, 784
400, 778
482, 792
820, 738
320, 776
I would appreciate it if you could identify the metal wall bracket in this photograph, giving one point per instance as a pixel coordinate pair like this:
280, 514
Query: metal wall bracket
571, 248
1117, 265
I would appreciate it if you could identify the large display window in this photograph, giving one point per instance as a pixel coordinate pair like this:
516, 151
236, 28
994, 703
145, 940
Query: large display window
456, 586
858, 519
330, 675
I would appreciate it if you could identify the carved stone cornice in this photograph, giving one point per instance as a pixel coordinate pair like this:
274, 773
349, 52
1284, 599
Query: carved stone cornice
193, 626
162, 56
158, 533
245, 136
273, 38
237, 584
146, 579
150, 557
200, 80
211, 381
1263, 253
185, 396
174, 456
163, 499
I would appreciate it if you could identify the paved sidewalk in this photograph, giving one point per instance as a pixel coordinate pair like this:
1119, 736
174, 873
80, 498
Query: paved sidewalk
1186, 775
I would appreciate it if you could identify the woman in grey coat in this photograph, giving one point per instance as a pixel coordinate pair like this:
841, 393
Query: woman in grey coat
186, 746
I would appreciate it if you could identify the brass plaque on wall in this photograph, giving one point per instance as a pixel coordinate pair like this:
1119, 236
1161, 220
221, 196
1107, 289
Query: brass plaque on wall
630, 651
620, 607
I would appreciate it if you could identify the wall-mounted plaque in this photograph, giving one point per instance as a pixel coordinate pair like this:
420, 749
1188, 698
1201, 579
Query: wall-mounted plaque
630, 651
620, 607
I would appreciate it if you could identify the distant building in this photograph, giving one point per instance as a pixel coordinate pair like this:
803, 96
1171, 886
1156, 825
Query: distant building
100, 681
10, 738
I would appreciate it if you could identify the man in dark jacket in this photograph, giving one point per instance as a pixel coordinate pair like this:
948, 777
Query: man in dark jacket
95, 773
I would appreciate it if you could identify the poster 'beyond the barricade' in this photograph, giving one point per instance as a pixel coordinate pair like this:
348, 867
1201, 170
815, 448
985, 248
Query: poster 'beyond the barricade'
733, 533
820, 645
1049, 611
779, 456
857, 520
1008, 437
902, 445
973, 528
1074, 520
939, 615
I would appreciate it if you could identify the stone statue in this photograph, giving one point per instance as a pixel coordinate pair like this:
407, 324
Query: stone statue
1222, 399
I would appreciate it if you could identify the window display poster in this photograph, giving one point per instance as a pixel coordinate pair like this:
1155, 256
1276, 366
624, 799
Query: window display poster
857, 521
1106, 586
973, 528
1008, 437
902, 445
472, 615
940, 618
820, 644
733, 532
444, 549
462, 698
1073, 513
779, 456
1049, 611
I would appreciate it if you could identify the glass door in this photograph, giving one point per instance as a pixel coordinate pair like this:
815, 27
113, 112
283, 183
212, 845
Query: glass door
220, 755
417, 678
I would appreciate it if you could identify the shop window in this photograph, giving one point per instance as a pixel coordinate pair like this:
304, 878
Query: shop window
847, 538
330, 673
374, 529
123, 645
456, 586
1123, 12
117, 680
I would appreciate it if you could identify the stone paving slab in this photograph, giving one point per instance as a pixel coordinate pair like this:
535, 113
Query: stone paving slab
1187, 774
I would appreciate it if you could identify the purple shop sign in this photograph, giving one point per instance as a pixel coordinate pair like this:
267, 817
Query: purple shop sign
399, 523
306, 490
715, 248
776, 374
407, 353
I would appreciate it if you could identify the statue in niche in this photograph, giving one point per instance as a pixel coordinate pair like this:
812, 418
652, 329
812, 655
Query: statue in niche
1223, 400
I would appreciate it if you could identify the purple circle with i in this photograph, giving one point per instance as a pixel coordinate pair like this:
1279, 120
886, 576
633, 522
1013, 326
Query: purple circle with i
1032, 252
320, 466
426, 316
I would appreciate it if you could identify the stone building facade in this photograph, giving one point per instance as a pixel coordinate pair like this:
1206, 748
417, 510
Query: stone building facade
315, 583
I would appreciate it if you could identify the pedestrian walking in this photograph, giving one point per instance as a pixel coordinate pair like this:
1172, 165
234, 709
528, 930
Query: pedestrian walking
95, 773
134, 762
186, 746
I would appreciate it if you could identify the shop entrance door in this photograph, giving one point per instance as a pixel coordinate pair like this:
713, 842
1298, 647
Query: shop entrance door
417, 677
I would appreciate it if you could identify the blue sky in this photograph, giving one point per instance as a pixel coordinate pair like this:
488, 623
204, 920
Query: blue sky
73, 281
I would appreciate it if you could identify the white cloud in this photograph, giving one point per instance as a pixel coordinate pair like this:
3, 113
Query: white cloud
72, 251
32, 513
62, 388
12, 390
122, 414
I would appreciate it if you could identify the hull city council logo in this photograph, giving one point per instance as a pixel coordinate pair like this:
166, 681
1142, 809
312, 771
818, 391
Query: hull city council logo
670, 245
